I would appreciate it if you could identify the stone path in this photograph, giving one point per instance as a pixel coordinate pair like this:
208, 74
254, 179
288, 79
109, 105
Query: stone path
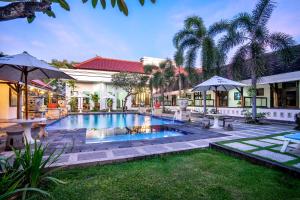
240, 146
258, 143
279, 157
123, 154
194, 138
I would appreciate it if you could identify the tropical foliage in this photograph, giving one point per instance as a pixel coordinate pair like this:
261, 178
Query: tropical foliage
25, 174
162, 77
130, 83
95, 98
179, 61
27, 9
248, 32
196, 40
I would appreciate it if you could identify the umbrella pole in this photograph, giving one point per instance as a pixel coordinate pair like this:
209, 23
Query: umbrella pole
26, 94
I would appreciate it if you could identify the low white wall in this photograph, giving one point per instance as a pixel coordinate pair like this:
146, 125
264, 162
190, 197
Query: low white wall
274, 114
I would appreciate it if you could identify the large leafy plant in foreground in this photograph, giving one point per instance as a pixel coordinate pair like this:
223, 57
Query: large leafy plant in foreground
25, 173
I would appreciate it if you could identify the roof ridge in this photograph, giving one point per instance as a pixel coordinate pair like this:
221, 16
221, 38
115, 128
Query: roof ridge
89, 60
104, 58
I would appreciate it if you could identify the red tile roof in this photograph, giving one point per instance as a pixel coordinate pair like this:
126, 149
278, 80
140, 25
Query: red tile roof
109, 64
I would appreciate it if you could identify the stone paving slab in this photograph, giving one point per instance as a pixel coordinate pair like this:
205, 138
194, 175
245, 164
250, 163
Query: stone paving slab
63, 158
91, 156
272, 141
200, 143
258, 143
240, 146
279, 157
178, 145
290, 150
125, 152
155, 149
297, 165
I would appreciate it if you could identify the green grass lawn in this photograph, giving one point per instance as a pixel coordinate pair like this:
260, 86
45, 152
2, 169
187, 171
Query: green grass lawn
201, 174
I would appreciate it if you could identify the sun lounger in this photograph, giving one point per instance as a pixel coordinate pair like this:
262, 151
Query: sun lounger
295, 137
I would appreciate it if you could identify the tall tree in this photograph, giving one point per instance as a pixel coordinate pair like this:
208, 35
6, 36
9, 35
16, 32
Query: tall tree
163, 77
130, 83
27, 9
249, 33
148, 69
195, 39
179, 60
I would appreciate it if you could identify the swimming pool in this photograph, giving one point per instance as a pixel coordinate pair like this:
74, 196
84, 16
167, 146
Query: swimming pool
116, 127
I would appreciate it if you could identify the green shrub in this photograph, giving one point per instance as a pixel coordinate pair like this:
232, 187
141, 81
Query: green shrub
26, 172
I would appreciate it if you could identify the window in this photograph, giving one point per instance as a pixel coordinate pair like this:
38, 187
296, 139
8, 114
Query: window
260, 92
12, 98
197, 95
237, 96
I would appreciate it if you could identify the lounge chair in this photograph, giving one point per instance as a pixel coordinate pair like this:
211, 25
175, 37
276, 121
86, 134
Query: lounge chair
295, 137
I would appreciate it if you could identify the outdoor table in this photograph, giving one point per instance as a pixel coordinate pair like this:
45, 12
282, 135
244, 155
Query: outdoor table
26, 124
216, 120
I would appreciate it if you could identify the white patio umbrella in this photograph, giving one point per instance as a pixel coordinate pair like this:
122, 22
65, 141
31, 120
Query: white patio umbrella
24, 67
217, 83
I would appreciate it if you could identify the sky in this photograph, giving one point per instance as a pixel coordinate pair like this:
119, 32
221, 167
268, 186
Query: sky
85, 32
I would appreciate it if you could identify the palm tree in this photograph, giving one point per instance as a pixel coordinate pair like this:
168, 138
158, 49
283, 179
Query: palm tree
162, 78
179, 60
196, 39
249, 32
149, 70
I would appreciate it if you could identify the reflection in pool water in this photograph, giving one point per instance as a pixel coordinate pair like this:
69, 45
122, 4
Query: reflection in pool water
117, 127
100, 121
123, 134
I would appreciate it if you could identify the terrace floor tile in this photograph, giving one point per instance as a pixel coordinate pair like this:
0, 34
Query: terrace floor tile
240, 146
279, 157
258, 143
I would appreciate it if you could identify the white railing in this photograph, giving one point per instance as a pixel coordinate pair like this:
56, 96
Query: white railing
273, 113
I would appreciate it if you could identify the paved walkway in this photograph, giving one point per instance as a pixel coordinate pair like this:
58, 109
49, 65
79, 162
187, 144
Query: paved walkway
131, 153
119, 154
82, 154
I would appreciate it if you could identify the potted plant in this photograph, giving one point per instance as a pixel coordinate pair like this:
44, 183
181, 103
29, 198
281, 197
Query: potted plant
109, 104
95, 99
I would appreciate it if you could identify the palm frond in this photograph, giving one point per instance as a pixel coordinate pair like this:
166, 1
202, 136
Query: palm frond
208, 54
230, 40
195, 23
262, 12
179, 58
188, 43
282, 43
239, 62
243, 20
181, 35
218, 27
191, 56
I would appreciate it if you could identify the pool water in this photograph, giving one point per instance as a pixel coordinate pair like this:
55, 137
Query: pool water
115, 135
117, 127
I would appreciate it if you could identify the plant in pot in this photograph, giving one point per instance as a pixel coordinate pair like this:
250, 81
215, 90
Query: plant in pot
109, 103
73, 104
95, 98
